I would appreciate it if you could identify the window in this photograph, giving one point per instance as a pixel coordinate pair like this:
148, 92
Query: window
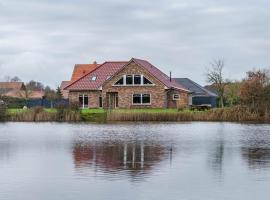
176, 96
83, 100
108, 77
129, 79
146, 98
100, 102
137, 79
120, 81
136, 98
133, 80
93, 78
146, 81
141, 99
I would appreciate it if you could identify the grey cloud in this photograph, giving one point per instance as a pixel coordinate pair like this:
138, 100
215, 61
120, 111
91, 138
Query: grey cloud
43, 39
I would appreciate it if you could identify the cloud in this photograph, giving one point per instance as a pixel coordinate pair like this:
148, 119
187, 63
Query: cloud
42, 40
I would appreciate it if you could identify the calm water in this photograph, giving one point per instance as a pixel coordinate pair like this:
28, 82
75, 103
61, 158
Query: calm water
45, 161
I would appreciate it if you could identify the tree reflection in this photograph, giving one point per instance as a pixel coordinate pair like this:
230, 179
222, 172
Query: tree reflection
256, 157
132, 157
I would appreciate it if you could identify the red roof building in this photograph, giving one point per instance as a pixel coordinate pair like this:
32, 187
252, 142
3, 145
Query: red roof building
127, 84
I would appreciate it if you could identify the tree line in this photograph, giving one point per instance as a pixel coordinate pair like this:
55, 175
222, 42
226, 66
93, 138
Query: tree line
253, 91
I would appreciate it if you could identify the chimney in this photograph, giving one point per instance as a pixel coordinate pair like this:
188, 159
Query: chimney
95, 62
170, 76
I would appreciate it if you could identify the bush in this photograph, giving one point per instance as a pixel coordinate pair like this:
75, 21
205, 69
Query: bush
3, 111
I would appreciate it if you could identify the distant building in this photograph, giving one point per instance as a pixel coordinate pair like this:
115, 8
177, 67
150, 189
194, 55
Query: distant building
199, 95
16, 90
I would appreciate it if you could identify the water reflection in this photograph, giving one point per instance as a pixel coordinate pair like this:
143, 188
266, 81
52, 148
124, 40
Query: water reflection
255, 148
135, 158
257, 157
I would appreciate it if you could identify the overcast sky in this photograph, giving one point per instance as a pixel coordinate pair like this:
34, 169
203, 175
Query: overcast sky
43, 39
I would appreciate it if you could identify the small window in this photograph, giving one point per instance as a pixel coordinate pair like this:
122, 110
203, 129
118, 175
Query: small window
93, 78
120, 81
176, 96
129, 80
137, 79
146, 81
136, 98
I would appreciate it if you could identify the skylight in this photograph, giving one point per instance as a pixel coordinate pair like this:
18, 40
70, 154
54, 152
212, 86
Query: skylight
93, 78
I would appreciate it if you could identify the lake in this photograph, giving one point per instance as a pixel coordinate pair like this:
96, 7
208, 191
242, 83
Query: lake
171, 161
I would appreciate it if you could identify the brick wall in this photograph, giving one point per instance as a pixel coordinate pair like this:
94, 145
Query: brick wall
157, 91
181, 103
93, 97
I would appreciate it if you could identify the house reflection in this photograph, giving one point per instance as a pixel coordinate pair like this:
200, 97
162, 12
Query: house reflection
134, 157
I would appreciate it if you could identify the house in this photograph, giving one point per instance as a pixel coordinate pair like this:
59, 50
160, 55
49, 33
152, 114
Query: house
78, 71
7, 87
17, 90
199, 95
127, 84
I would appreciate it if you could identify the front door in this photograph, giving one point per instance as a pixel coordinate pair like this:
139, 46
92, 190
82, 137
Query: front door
112, 100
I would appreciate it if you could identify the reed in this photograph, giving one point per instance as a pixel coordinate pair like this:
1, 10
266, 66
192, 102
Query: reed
38, 114
233, 114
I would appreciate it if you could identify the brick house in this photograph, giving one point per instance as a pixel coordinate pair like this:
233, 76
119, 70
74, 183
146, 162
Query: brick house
127, 84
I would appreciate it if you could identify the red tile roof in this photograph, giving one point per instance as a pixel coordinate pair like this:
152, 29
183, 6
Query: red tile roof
108, 69
159, 74
82, 69
21, 94
105, 70
11, 85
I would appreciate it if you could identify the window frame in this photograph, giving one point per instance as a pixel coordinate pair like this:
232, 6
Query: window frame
141, 99
124, 77
176, 99
84, 96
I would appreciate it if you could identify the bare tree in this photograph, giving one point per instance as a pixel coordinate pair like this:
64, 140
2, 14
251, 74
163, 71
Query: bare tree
215, 77
15, 79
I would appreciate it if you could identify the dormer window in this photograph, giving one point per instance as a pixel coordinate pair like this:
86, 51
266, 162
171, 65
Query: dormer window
133, 80
93, 78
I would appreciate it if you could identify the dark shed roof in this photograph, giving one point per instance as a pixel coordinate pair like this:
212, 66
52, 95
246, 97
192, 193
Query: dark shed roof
195, 88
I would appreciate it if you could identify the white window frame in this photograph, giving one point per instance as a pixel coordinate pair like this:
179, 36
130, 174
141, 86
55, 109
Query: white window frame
83, 104
141, 104
136, 85
176, 98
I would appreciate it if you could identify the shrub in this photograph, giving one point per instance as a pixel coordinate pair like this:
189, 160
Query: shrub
3, 111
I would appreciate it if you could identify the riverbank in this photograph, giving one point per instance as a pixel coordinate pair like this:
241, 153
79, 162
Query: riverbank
233, 114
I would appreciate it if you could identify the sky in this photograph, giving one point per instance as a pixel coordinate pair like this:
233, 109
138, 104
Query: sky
43, 39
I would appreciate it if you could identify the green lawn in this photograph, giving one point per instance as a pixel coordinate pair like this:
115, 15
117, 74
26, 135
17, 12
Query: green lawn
100, 110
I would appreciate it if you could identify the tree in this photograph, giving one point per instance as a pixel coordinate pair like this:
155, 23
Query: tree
59, 93
255, 89
215, 77
35, 86
15, 79
231, 93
